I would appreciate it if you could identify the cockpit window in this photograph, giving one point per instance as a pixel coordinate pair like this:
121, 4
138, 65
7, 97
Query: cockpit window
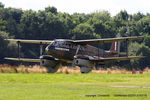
64, 44
58, 43
54, 43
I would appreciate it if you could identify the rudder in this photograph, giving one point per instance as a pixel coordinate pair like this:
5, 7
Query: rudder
115, 47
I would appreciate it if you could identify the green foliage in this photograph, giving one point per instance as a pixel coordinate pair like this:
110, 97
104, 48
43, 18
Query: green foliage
143, 25
1, 5
137, 17
147, 40
144, 51
3, 46
100, 16
141, 50
123, 15
51, 9
6, 48
84, 31
3, 24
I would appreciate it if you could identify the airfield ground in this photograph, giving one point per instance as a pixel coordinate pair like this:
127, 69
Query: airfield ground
92, 86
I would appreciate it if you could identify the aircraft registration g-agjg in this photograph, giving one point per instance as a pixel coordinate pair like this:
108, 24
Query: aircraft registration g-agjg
79, 52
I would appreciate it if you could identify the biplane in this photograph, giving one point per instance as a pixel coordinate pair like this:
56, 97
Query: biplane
79, 52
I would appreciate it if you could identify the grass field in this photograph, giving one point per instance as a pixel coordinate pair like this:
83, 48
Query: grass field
92, 86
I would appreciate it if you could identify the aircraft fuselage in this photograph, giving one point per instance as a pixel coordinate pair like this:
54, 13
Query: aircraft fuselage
66, 50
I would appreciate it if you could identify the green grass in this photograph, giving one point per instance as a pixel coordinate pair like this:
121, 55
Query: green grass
73, 86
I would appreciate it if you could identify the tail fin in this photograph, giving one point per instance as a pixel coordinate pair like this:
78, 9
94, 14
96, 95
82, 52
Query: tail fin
115, 47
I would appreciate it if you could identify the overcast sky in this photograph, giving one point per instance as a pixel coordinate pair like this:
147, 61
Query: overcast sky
83, 6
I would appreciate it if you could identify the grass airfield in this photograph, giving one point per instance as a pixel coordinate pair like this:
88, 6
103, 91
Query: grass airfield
92, 86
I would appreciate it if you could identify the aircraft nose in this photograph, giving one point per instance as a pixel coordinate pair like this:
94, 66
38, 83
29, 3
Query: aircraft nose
48, 49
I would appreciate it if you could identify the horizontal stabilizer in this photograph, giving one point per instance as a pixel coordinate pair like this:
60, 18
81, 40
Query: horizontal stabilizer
124, 53
24, 59
30, 41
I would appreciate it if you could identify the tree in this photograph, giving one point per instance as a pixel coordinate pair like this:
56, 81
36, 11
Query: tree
140, 50
29, 25
6, 48
100, 16
143, 25
138, 16
11, 20
84, 31
51, 9
3, 24
1, 5
147, 40
79, 18
123, 15
144, 51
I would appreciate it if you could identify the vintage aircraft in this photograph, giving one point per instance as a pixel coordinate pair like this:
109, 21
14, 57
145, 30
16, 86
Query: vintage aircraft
78, 52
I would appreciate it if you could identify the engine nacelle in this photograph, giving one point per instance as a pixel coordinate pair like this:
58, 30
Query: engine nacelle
85, 65
51, 63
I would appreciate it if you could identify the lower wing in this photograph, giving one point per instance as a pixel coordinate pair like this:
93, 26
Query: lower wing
118, 58
24, 59
89, 58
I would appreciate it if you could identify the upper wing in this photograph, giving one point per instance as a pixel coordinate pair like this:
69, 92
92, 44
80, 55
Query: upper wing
24, 59
30, 41
117, 58
107, 40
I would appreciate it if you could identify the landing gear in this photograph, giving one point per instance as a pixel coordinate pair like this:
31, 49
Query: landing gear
85, 69
50, 64
85, 65
52, 69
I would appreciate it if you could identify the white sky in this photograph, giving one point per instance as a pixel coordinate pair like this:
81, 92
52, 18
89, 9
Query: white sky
83, 6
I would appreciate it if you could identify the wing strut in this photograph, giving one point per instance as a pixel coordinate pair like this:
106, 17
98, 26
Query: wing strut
98, 50
77, 49
18, 49
103, 47
41, 52
41, 48
127, 47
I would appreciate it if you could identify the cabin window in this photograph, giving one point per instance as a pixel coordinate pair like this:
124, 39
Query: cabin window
64, 44
56, 44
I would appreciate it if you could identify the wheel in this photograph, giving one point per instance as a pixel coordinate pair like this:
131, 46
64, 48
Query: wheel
85, 69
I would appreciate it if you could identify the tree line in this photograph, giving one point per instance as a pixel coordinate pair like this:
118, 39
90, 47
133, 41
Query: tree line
49, 24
